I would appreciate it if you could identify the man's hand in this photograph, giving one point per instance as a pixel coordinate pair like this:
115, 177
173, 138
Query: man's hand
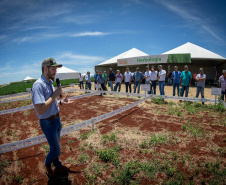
189, 84
140, 80
67, 101
130, 82
57, 92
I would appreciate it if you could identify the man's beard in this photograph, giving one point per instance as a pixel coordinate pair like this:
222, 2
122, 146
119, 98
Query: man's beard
50, 75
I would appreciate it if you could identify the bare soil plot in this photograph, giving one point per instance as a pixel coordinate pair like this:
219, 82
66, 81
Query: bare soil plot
153, 143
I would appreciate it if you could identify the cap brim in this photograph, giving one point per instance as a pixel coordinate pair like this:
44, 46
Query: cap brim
57, 65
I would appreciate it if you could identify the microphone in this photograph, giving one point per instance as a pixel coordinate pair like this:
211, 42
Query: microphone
58, 84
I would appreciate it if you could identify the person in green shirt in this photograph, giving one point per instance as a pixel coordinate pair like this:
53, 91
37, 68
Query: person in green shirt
185, 80
105, 77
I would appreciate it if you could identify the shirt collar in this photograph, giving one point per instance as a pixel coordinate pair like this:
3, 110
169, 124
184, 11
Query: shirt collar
44, 80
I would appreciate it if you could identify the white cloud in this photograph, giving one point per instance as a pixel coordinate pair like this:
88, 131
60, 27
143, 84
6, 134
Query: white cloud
70, 58
97, 33
46, 36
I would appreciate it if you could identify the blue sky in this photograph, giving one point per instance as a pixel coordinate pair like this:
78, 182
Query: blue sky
81, 34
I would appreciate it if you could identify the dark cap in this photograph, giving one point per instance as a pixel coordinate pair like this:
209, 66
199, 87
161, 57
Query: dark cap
50, 62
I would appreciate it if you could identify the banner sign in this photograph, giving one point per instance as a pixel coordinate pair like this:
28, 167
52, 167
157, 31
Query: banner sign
156, 59
97, 86
145, 87
216, 91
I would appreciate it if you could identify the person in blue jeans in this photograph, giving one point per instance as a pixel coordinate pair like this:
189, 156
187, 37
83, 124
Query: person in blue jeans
162, 79
185, 79
154, 77
95, 77
44, 99
118, 81
128, 79
176, 80
169, 76
111, 78
147, 76
200, 78
88, 80
138, 77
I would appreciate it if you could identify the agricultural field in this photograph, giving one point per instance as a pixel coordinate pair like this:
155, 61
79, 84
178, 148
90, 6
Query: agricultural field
155, 142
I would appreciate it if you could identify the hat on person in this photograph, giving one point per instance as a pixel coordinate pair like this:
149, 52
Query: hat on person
224, 71
186, 67
175, 67
110, 68
201, 69
50, 62
137, 68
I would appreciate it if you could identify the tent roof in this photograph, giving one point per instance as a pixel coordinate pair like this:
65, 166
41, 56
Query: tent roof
28, 78
130, 53
197, 52
65, 70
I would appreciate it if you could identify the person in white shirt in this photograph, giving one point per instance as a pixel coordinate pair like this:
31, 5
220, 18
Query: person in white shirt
118, 80
128, 79
147, 76
154, 77
200, 78
162, 78
81, 81
88, 80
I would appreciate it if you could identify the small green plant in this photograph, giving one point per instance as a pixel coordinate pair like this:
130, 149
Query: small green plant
110, 154
18, 179
84, 158
84, 136
105, 138
158, 101
195, 130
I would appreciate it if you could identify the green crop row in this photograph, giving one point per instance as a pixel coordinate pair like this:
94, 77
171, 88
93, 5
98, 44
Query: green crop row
19, 87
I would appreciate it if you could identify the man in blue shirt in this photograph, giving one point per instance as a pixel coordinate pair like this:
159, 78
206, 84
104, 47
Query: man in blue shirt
101, 81
185, 79
176, 80
138, 77
95, 78
44, 98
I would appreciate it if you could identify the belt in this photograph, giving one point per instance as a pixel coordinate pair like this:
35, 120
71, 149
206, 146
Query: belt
52, 117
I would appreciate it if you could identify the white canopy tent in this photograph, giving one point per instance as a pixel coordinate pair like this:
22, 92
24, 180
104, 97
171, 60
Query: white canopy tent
64, 73
128, 54
196, 52
28, 78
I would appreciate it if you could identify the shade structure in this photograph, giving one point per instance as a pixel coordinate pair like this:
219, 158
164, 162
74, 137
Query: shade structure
65, 73
112, 62
130, 53
196, 52
28, 78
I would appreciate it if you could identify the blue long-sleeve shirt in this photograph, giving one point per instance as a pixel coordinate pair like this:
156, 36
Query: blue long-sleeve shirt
176, 76
138, 76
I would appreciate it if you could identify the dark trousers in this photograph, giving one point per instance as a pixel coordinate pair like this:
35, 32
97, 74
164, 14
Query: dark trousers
183, 89
103, 88
81, 85
153, 86
176, 85
128, 85
223, 95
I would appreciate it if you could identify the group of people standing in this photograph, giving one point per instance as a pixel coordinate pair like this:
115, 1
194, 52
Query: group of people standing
183, 79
